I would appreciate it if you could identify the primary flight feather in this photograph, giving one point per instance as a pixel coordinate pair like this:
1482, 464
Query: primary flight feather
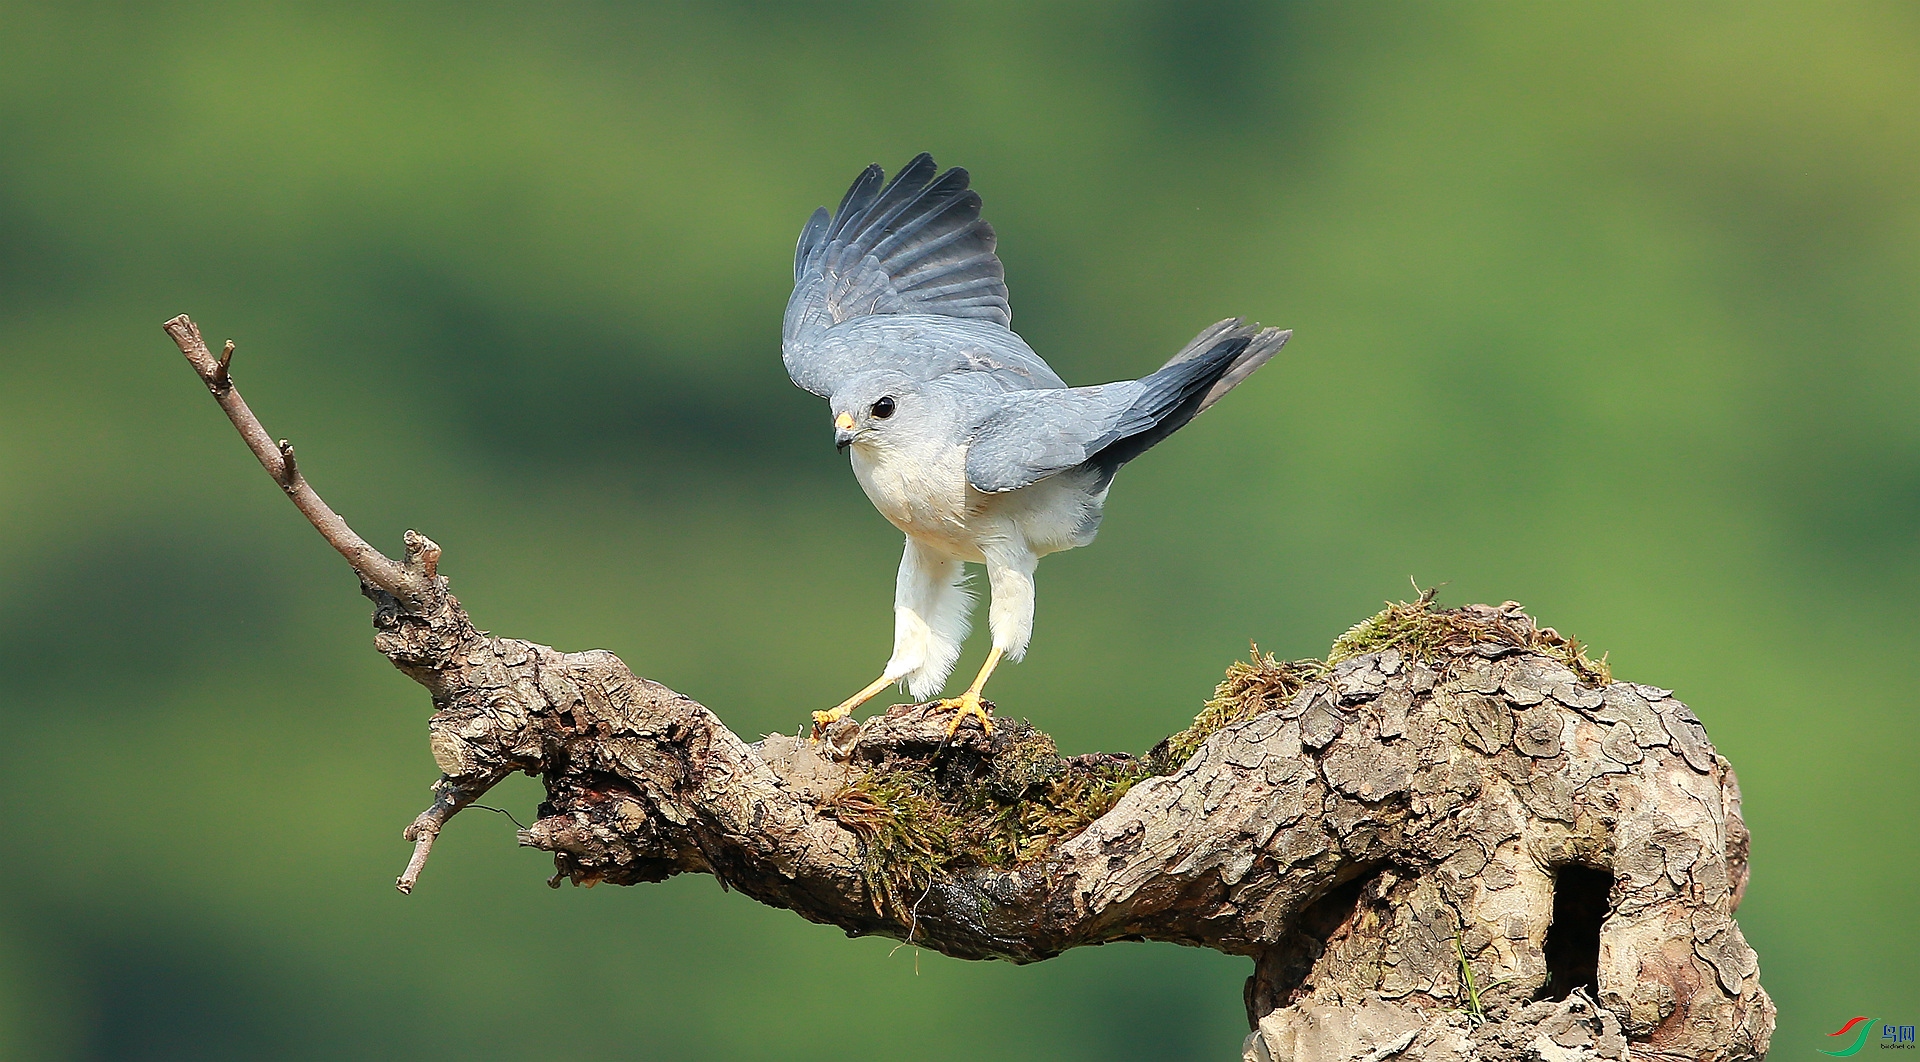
960, 434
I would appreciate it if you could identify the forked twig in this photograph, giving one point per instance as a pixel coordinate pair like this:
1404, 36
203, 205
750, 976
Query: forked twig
408, 582
449, 796
277, 458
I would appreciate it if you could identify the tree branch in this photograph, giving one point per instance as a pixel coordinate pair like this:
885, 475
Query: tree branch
277, 458
1455, 838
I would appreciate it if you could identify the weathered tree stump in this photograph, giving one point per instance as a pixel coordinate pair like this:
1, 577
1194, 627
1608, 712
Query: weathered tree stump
1457, 838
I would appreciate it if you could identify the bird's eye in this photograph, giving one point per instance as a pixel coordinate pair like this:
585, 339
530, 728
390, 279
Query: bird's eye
883, 408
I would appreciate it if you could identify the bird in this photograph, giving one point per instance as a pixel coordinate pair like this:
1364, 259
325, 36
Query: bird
962, 437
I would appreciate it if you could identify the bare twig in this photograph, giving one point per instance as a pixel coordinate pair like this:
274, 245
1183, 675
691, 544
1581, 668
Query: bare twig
449, 796
277, 458
221, 381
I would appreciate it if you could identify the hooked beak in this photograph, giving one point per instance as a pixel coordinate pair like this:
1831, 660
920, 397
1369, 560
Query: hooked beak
843, 431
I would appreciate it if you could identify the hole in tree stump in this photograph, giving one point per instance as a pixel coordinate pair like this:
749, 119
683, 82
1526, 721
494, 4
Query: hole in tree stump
1573, 940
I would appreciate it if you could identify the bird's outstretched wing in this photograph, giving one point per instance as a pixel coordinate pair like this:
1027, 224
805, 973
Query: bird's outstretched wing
911, 247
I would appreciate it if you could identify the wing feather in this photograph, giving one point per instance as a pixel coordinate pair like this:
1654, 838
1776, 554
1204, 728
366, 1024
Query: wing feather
912, 246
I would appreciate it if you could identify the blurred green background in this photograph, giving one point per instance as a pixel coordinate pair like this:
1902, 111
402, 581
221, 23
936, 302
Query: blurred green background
1613, 310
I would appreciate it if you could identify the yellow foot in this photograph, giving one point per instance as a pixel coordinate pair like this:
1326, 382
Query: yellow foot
823, 720
966, 704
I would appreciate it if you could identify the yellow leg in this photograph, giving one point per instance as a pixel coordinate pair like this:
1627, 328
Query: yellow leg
822, 720
968, 703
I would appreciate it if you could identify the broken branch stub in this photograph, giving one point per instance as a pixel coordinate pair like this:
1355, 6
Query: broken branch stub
1456, 839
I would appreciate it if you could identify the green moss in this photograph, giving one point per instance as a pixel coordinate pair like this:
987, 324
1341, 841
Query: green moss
908, 836
1436, 637
1251, 687
1411, 627
916, 825
1439, 637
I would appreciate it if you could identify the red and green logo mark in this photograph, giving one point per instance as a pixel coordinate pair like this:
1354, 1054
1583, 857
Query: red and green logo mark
1859, 1041
1890, 1035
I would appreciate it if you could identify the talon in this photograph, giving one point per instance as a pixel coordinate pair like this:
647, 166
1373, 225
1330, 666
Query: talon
967, 704
823, 720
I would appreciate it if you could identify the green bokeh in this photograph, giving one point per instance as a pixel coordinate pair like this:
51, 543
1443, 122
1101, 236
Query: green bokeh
1612, 310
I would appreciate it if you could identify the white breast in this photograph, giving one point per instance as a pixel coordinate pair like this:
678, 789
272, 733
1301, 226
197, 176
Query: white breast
929, 499
926, 497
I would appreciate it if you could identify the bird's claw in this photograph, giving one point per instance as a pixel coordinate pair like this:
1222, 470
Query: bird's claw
823, 720
967, 704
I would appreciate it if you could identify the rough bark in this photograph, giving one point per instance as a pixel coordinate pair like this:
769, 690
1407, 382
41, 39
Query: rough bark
1457, 840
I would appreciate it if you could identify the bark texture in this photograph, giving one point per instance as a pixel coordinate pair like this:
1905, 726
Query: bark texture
1457, 840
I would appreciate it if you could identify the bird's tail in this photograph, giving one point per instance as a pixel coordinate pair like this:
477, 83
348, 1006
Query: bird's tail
1262, 345
1211, 365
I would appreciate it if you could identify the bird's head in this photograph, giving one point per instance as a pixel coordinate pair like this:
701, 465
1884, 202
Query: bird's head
869, 406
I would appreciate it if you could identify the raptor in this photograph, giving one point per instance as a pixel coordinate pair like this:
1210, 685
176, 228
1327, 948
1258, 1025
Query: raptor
959, 433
